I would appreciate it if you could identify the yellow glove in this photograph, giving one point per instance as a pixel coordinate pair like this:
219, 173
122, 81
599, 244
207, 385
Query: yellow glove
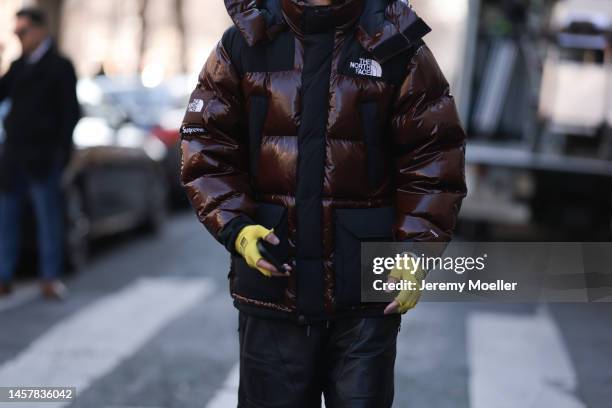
246, 245
407, 299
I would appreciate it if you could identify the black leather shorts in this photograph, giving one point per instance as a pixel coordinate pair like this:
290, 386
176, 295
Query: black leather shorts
350, 362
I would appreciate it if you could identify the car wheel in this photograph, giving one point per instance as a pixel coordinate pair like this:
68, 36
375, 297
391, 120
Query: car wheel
77, 230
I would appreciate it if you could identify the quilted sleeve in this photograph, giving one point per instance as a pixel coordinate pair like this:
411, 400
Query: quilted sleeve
430, 159
215, 163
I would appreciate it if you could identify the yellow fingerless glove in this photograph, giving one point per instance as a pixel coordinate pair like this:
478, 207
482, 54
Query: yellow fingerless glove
246, 245
408, 299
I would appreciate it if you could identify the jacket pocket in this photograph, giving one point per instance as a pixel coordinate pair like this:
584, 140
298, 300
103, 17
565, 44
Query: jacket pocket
354, 226
249, 282
372, 134
258, 110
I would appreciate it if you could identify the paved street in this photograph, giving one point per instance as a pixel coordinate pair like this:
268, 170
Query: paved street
149, 324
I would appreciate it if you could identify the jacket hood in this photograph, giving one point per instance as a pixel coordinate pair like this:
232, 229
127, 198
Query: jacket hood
383, 27
257, 20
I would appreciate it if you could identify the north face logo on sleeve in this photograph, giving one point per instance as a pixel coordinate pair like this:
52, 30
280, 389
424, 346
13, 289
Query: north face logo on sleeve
196, 105
366, 67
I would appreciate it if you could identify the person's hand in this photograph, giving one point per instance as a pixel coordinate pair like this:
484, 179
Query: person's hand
246, 245
406, 299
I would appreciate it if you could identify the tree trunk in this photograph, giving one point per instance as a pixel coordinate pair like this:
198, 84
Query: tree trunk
180, 24
144, 32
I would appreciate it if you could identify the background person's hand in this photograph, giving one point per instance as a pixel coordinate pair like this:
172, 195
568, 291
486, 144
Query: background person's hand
406, 299
246, 245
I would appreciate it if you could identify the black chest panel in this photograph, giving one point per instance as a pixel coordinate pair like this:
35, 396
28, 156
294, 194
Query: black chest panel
271, 56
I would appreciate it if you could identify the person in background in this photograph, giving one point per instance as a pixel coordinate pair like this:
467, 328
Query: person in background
41, 89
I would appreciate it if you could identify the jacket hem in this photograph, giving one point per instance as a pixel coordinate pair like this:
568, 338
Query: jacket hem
273, 311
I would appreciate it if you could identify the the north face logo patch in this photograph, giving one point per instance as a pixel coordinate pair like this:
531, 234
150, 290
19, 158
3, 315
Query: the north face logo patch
196, 105
366, 67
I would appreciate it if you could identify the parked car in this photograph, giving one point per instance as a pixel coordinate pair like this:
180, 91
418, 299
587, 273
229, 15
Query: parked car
156, 112
111, 185
167, 130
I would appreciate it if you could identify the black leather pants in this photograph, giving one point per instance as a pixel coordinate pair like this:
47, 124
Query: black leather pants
350, 362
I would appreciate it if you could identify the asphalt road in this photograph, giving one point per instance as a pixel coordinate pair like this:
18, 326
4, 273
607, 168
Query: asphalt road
149, 324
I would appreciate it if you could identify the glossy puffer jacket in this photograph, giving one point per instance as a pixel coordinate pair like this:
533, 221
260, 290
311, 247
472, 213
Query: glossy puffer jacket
333, 125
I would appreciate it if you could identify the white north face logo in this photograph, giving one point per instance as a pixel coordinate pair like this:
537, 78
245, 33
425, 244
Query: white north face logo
366, 67
196, 105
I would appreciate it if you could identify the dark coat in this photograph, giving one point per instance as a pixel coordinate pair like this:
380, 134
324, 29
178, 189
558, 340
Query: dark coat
334, 125
44, 111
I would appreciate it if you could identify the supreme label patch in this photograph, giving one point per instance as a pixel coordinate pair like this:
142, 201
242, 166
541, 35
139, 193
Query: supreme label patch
193, 130
367, 67
196, 105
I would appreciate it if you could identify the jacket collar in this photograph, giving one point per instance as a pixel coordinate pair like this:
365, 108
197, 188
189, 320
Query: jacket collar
304, 19
383, 27
40, 51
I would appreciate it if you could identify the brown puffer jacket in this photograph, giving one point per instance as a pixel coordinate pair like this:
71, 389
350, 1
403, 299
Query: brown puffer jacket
334, 125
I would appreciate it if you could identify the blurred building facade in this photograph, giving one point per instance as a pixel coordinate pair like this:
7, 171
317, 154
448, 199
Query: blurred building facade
122, 37
178, 34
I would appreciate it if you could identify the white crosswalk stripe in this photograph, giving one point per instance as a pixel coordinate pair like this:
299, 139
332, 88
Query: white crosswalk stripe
91, 343
515, 360
227, 395
519, 361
